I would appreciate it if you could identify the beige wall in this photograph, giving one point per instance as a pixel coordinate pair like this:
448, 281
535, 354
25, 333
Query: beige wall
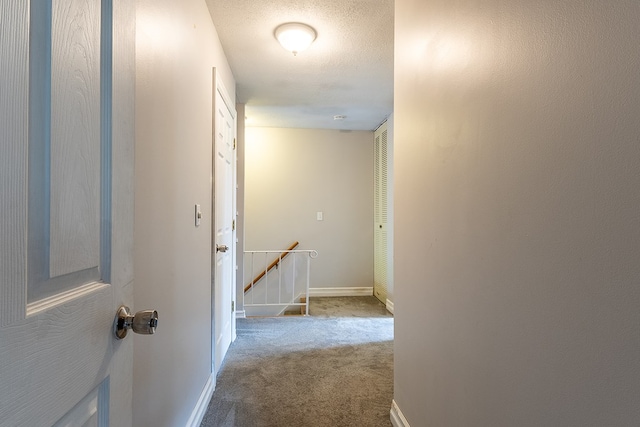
517, 226
290, 175
177, 46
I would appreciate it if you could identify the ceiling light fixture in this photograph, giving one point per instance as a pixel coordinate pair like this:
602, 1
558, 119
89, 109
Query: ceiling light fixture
295, 37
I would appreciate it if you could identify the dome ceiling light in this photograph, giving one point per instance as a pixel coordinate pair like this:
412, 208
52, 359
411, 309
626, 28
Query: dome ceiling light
295, 37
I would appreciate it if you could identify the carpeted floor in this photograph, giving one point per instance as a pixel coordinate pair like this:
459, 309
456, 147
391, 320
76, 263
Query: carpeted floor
332, 368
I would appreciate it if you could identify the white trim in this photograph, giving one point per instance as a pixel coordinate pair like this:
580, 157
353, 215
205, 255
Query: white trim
240, 314
396, 417
341, 292
203, 403
225, 95
390, 306
64, 297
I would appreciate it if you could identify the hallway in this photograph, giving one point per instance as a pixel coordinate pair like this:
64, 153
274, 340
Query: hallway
332, 368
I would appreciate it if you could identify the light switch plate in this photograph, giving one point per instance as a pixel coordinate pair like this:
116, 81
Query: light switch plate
319, 216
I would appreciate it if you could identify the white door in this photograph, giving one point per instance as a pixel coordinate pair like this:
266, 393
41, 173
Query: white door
381, 210
224, 225
66, 210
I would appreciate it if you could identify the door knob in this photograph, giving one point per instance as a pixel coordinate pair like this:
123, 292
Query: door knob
143, 322
222, 248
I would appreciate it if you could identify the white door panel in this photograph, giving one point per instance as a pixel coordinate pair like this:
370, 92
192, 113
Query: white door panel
75, 149
224, 188
66, 198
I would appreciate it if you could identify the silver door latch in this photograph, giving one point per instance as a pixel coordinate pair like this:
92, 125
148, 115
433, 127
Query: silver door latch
143, 322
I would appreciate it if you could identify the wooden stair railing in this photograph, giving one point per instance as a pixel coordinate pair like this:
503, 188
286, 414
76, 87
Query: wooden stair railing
271, 266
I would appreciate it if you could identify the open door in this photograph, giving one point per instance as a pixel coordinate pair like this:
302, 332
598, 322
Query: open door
223, 248
66, 198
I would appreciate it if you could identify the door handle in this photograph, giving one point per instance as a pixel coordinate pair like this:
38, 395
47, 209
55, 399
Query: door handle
222, 248
143, 322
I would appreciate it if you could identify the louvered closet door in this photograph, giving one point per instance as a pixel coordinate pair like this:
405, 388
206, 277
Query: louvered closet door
380, 259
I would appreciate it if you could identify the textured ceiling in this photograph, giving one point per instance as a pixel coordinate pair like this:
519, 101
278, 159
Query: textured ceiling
347, 71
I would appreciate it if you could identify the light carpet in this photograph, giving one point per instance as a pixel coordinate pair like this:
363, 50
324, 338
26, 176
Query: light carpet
332, 368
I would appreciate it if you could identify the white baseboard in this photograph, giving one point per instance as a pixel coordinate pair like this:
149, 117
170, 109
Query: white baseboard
390, 306
341, 292
203, 403
396, 417
240, 314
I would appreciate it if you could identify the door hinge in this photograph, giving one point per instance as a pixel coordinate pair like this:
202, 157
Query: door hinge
233, 225
233, 306
234, 143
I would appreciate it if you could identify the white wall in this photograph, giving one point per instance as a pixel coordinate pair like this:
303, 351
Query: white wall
290, 175
177, 46
517, 139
